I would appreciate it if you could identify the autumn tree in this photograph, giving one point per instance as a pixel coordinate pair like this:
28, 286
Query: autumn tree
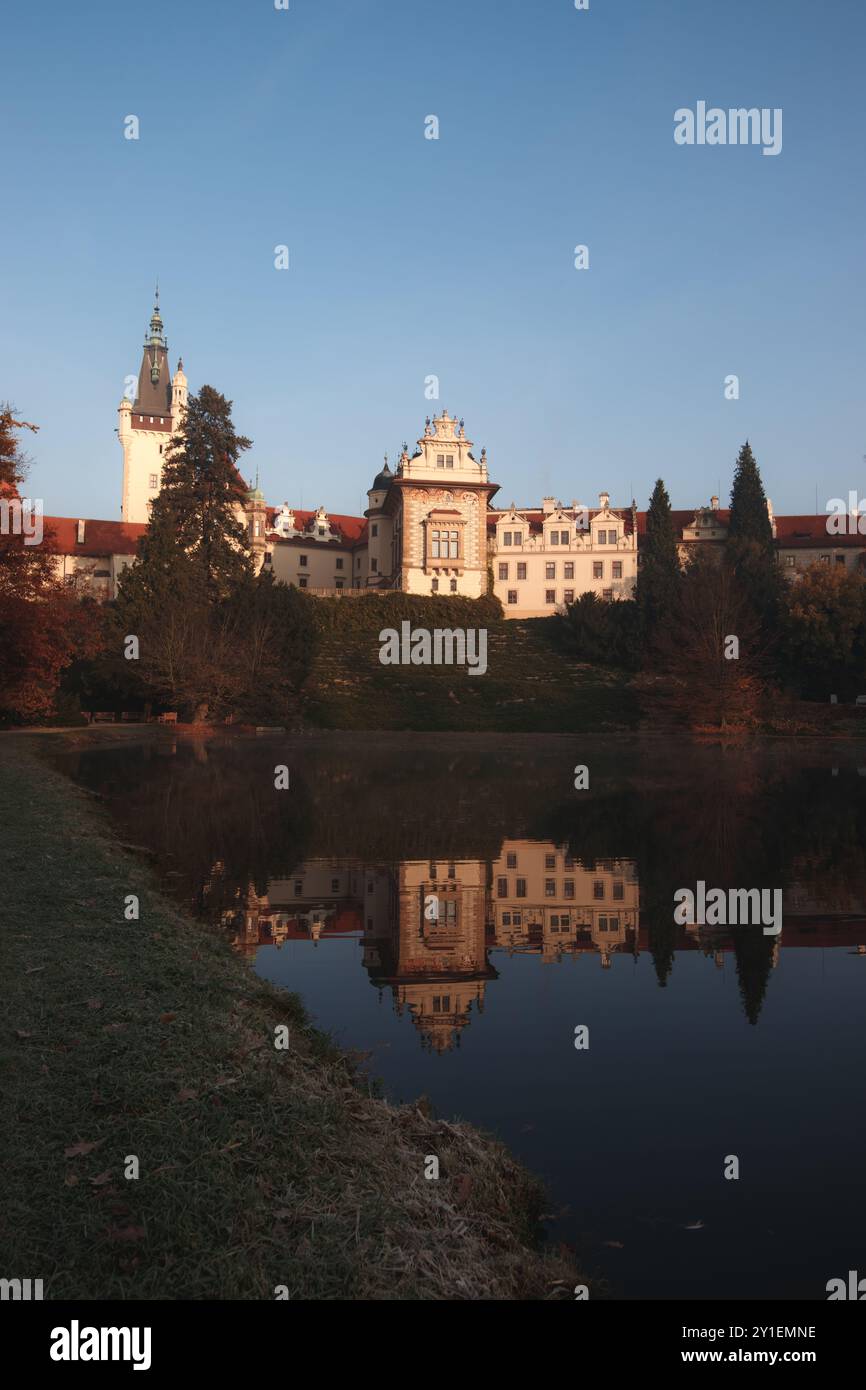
708, 660
823, 632
42, 627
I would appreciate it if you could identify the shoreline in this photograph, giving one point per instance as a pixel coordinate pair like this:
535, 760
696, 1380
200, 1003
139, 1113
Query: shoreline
259, 1168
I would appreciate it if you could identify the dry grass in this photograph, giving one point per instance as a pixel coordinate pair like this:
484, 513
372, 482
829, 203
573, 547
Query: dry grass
259, 1168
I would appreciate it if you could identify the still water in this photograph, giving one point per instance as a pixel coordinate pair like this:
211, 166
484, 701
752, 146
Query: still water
456, 909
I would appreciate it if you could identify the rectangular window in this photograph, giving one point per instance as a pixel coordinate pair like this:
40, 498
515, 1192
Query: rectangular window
339, 562
618, 892
611, 537
568, 596
338, 584
598, 890
517, 918
569, 569
335, 885
302, 583
503, 571
550, 570
554, 538
435, 586
154, 481
598, 569
607, 595
825, 559
518, 538
789, 561
568, 888
617, 569
602, 924
512, 595
506, 537
602, 538
299, 887
511, 861
374, 529
521, 569
374, 566
449, 460
440, 460
502, 888
840, 559
506, 919
302, 561
550, 861
550, 887
520, 888
550, 596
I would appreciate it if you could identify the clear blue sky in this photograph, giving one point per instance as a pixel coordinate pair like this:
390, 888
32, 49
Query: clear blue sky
455, 257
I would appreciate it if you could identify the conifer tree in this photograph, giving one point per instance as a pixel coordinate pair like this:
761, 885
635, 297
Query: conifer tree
751, 551
660, 571
201, 487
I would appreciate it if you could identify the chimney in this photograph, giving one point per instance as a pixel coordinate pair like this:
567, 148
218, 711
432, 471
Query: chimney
80, 533
714, 504
603, 500
547, 505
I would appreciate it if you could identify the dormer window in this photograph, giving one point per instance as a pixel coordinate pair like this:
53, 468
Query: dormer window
79, 536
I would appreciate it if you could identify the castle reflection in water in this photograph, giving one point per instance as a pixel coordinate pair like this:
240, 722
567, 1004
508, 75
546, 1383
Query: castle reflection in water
533, 899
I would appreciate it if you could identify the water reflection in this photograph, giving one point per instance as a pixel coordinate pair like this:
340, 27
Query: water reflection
555, 908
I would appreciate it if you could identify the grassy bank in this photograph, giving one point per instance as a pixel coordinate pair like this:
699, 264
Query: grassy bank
259, 1168
529, 685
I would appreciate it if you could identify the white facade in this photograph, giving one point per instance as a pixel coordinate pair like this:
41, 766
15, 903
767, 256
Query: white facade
542, 560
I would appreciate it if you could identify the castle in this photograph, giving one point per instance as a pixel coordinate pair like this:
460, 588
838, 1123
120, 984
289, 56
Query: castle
429, 526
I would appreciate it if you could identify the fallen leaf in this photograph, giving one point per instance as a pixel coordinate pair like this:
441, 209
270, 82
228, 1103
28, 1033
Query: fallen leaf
82, 1147
34, 969
101, 1179
614, 1244
113, 1027
70, 1180
94, 1003
167, 1018
187, 1094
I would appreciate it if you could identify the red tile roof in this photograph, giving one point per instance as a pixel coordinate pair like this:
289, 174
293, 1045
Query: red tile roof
806, 532
351, 528
100, 537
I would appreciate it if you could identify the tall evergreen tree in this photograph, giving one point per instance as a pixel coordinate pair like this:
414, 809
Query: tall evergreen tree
660, 571
750, 520
751, 549
201, 487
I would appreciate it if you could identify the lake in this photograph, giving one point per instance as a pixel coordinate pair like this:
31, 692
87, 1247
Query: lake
454, 907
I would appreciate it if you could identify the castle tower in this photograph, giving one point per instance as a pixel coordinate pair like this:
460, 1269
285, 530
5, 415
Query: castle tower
255, 519
146, 424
